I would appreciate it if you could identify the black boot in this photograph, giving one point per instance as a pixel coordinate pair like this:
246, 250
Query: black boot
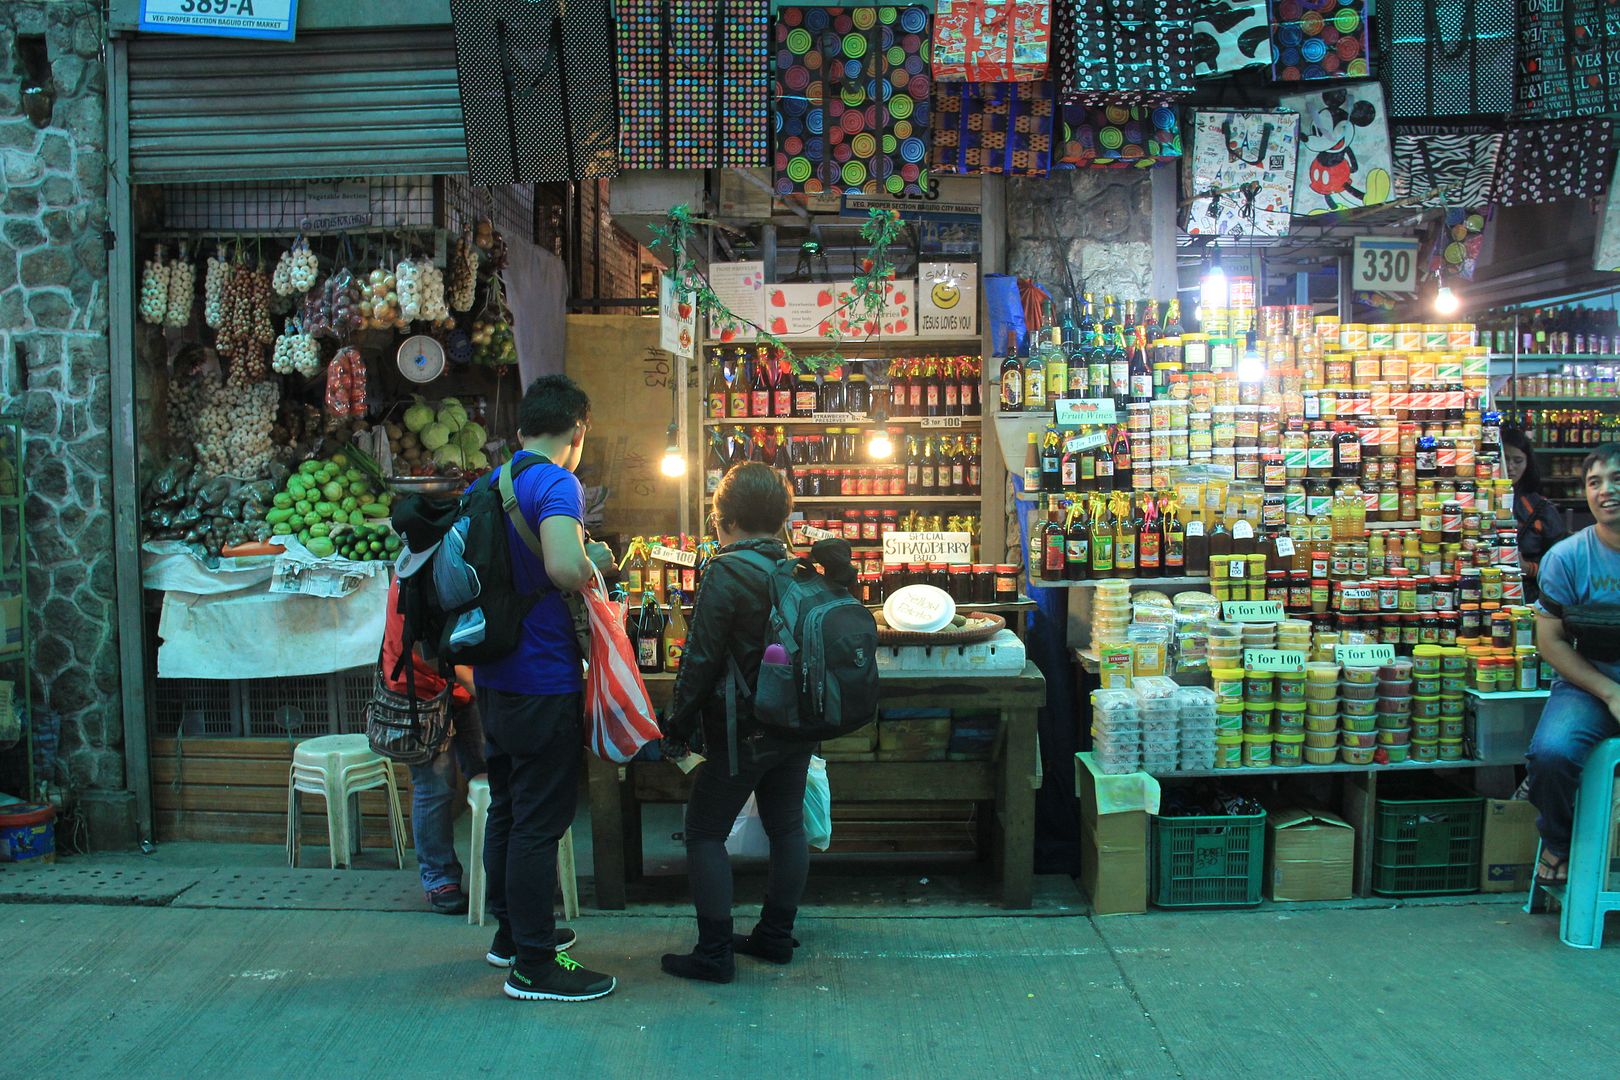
772, 938
711, 960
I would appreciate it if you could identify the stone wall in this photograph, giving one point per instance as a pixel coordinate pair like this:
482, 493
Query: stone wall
54, 354
1099, 220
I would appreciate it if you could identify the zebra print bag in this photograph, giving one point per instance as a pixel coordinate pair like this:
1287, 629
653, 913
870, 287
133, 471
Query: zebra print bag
1446, 167
1230, 35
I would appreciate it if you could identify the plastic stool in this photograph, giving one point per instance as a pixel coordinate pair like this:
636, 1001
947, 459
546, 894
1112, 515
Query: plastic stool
339, 767
1587, 897
477, 891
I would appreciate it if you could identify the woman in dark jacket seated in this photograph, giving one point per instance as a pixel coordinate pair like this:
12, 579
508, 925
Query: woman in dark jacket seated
731, 623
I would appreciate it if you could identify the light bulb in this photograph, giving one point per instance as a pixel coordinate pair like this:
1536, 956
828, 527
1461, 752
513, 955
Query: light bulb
673, 463
1251, 367
880, 446
1212, 288
1446, 301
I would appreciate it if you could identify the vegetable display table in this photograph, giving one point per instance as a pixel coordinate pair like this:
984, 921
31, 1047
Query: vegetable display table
1008, 780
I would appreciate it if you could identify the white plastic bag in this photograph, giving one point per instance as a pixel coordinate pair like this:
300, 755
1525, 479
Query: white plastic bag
818, 806
748, 840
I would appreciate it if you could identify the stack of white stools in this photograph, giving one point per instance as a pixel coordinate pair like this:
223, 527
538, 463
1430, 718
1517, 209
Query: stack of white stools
478, 803
339, 767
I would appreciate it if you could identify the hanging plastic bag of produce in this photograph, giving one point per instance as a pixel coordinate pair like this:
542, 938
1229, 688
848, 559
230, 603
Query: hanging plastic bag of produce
620, 712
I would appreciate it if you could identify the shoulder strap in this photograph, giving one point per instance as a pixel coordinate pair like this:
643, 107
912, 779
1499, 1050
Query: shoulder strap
758, 558
504, 481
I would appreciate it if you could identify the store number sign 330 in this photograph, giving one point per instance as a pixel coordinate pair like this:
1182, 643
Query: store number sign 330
1384, 264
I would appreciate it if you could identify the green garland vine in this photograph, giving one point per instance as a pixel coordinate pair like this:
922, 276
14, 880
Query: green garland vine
864, 300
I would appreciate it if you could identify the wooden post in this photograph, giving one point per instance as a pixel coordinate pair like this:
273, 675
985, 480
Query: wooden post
607, 832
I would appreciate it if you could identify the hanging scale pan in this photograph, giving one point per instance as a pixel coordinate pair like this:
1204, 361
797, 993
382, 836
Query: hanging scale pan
421, 358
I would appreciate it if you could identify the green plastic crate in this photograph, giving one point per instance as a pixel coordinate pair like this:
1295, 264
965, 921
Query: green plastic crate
1427, 847
1208, 861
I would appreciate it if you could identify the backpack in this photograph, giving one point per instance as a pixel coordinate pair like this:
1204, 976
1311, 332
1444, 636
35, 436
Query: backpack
479, 555
829, 685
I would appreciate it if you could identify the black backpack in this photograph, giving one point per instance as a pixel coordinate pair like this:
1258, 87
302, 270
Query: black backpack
829, 685
485, 508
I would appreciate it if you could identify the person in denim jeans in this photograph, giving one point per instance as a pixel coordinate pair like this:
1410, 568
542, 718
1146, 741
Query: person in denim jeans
1584, 705
433, 784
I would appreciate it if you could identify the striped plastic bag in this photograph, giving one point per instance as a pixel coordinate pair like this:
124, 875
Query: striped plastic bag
620, 712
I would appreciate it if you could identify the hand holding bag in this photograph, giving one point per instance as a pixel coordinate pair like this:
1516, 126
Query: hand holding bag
620, 714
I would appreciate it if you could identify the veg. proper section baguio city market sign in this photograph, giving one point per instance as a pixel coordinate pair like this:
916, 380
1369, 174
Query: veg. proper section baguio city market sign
275, 20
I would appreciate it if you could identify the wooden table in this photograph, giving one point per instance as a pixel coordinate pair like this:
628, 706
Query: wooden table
1008, 780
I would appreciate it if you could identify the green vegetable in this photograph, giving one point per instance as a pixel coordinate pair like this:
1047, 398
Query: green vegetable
281, 528
278, 516
326, 509
296, 488
303, 537
310, 468
350, 504
304, 506
321, 547
333, 491
296, 521
374, 510
357, 518
392, 543
282, 501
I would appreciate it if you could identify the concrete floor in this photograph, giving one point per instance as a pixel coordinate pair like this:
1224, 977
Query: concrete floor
217, 960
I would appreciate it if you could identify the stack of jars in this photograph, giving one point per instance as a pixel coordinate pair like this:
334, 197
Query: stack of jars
1439, 679
1228, 685
1111, 611
1294, 635
1359, 705
1259, 718
1321, 713
1225, 645
1395, 714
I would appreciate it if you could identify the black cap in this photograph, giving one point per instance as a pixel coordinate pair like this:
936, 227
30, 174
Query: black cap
423, 521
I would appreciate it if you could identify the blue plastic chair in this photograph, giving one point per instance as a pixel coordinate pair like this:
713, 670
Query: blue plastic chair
1588, 896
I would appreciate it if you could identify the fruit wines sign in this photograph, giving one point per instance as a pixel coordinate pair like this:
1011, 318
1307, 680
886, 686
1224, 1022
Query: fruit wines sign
274, 20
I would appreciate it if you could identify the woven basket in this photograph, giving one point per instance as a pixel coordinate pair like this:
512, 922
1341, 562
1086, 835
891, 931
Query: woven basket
952, 636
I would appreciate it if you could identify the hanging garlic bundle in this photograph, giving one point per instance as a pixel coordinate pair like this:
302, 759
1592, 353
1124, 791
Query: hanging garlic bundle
245, 327
430, 292
182, 282
233, 426
218, 272
463, 274
408, 276
155, 289
295, 353
296, 270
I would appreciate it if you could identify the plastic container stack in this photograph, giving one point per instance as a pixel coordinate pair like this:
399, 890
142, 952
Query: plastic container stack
1160, 717
1195, 706
1321, 744
1228, 683
1225, 645
1358, 714
1111, 611
1396, 726
1116, 731
1453, 684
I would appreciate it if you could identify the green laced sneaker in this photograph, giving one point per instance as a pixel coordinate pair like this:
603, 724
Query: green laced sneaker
561, 979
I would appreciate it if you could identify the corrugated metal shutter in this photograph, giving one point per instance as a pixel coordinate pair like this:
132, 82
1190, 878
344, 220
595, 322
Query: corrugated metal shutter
372, 103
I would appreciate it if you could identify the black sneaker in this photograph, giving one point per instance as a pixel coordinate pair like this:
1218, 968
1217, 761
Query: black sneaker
448, 900
503, 953
562, 979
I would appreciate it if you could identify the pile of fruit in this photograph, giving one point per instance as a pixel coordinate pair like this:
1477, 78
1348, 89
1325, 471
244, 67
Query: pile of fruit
432, 441
324, 497
368, 542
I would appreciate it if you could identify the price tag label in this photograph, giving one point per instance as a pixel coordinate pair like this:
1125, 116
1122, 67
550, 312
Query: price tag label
674, 555
1077, 412
1384, 264
811, 533
942, 547
930, 423
1273, 660
1285, 546
1363, 655
837, 417
1085, 442
1258, 611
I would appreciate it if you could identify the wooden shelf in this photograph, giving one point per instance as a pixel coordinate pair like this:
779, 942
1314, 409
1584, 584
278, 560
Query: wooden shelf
897, 501
1337, 767
1556, 358
1567, 449
1144, 582
1509, 695
1511, 399
860, 420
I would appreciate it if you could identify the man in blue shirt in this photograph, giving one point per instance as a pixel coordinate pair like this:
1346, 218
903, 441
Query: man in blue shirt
532, 703
1585, 701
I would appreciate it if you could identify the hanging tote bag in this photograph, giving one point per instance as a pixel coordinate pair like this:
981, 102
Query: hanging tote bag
1563, 59
694, 83
1457, 238
619, 714
1449, 57
998, 128
991, 40
1441, 167
1344, 153
853, 101
539, 95
1568, 159
1314, 40
1132, 52
1230, 35
1118, 137
1241, 182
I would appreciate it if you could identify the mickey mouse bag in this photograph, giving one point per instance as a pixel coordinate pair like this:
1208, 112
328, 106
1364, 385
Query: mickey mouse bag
1344, 152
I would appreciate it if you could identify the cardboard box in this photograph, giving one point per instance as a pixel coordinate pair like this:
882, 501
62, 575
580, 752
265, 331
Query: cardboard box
1113, 851
1508, 853
1311, 855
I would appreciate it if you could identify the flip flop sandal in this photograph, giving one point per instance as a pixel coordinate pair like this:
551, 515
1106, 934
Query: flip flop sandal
1552, 869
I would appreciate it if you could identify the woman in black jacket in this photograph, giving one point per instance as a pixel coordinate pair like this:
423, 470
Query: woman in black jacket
731, 623
1540, 522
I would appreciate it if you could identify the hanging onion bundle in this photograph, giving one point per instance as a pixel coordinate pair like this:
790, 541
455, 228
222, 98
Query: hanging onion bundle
232, 429
379, 303
296, 270
154, 303
182, 283
296, 352
218, 272
463, 273
245, 329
